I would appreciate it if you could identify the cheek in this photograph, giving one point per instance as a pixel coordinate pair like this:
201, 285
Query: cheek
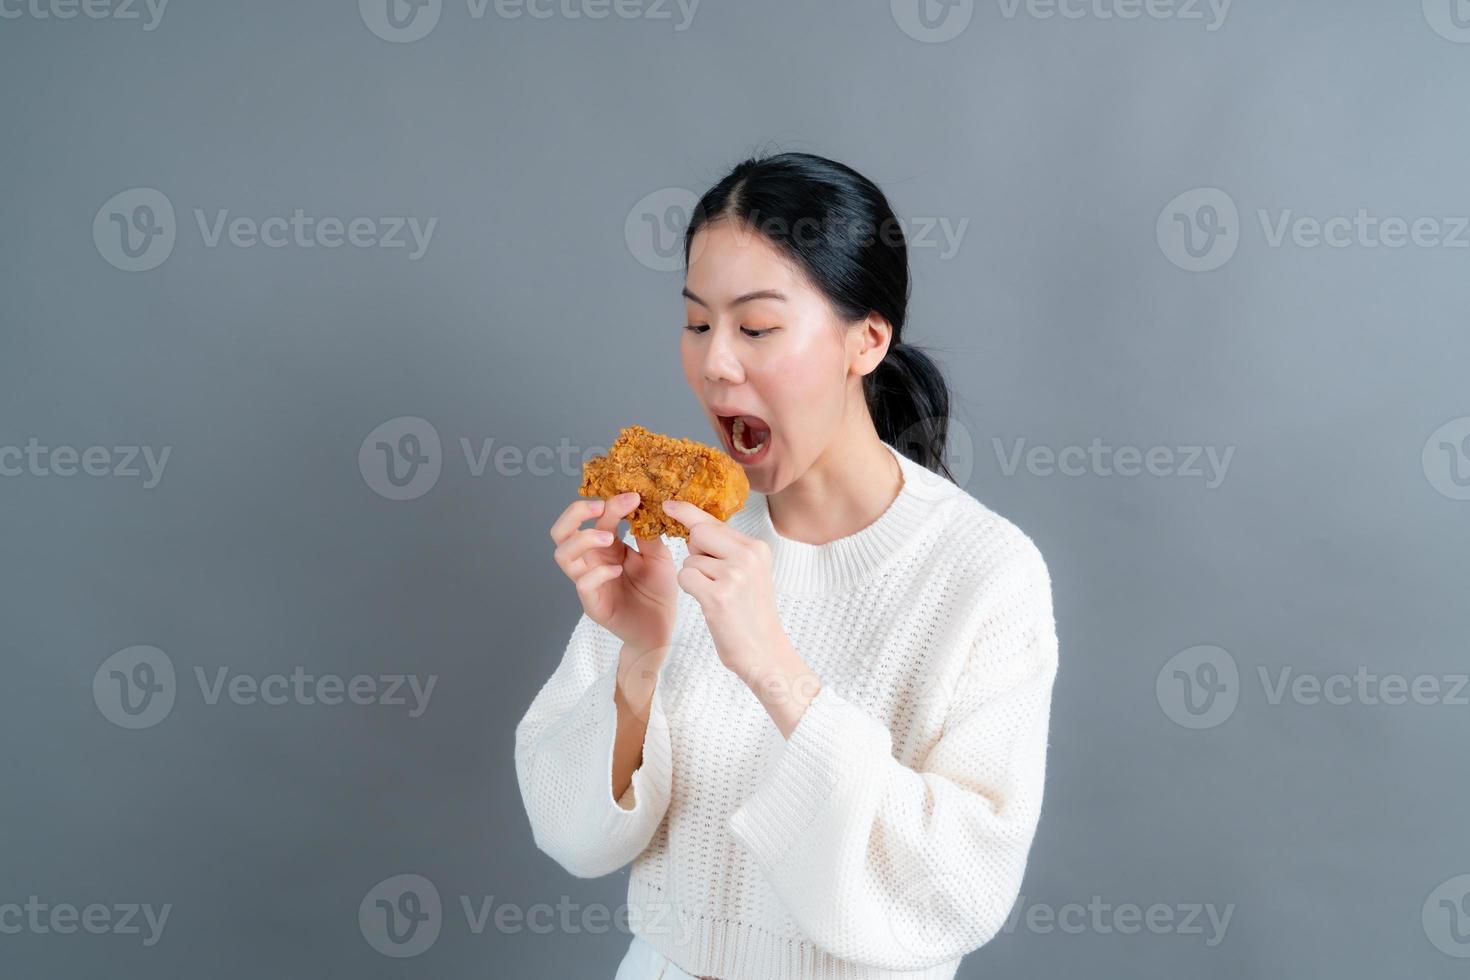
689, 361
806, 382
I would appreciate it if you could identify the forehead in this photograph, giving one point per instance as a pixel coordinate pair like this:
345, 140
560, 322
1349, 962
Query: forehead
727, 259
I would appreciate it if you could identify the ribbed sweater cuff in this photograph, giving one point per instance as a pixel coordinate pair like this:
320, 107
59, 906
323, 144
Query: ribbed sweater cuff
832, 761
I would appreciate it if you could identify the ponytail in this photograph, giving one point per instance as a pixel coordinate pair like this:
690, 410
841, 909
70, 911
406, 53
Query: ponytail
909, 401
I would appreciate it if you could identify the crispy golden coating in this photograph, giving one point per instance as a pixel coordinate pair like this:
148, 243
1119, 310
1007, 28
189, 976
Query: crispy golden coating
663, 468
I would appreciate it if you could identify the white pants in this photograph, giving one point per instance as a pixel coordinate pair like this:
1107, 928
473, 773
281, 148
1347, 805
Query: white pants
643, 962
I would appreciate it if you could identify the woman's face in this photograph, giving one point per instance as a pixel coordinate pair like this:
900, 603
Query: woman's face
762, 343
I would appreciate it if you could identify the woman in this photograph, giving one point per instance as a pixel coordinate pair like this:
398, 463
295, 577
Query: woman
818, 729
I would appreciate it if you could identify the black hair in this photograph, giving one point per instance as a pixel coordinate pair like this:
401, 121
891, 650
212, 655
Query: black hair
839, 228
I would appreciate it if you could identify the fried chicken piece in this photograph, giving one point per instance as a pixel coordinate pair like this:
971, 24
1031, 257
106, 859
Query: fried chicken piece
663, 468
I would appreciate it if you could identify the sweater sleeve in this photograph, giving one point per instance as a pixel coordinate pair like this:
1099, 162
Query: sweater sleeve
902, 868
563, 759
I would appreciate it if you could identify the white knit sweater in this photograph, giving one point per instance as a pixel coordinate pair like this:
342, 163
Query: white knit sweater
888, 835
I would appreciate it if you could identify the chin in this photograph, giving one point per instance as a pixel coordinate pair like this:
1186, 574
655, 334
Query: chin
758, 481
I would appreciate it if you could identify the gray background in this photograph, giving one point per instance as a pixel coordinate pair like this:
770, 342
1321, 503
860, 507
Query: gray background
538, 314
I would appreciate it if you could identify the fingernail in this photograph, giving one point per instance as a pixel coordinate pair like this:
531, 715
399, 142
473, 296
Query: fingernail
630, 496
666, 505
605, 537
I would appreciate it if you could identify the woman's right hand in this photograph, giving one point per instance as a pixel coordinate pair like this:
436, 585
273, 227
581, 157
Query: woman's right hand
634, 594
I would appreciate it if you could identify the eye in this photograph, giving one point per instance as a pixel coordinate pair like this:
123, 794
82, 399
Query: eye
698, 328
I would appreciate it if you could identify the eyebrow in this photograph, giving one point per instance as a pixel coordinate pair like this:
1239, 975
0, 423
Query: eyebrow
758, 294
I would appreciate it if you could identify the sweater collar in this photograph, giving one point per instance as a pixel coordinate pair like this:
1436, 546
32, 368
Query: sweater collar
799, 567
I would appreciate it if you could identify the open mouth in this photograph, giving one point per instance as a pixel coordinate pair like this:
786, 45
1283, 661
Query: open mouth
747, 436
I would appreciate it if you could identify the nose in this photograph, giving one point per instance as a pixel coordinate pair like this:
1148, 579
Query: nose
720, 361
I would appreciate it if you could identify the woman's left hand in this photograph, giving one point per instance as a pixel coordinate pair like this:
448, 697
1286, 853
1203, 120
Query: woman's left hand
729, 575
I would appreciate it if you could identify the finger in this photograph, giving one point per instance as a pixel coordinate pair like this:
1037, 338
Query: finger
577, 512
653, 548
570, 554
589, 582
617, 508
716, 537
707, 566
693, 581
687, 514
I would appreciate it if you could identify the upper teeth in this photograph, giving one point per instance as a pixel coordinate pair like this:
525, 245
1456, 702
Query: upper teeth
737, 431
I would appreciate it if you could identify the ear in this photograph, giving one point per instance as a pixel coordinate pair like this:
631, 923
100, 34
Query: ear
868, 344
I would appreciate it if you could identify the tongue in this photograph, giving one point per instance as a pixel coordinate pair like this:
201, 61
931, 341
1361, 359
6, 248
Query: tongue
756, 431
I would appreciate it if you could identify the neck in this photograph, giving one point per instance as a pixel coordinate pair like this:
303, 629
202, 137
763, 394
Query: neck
848, 487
